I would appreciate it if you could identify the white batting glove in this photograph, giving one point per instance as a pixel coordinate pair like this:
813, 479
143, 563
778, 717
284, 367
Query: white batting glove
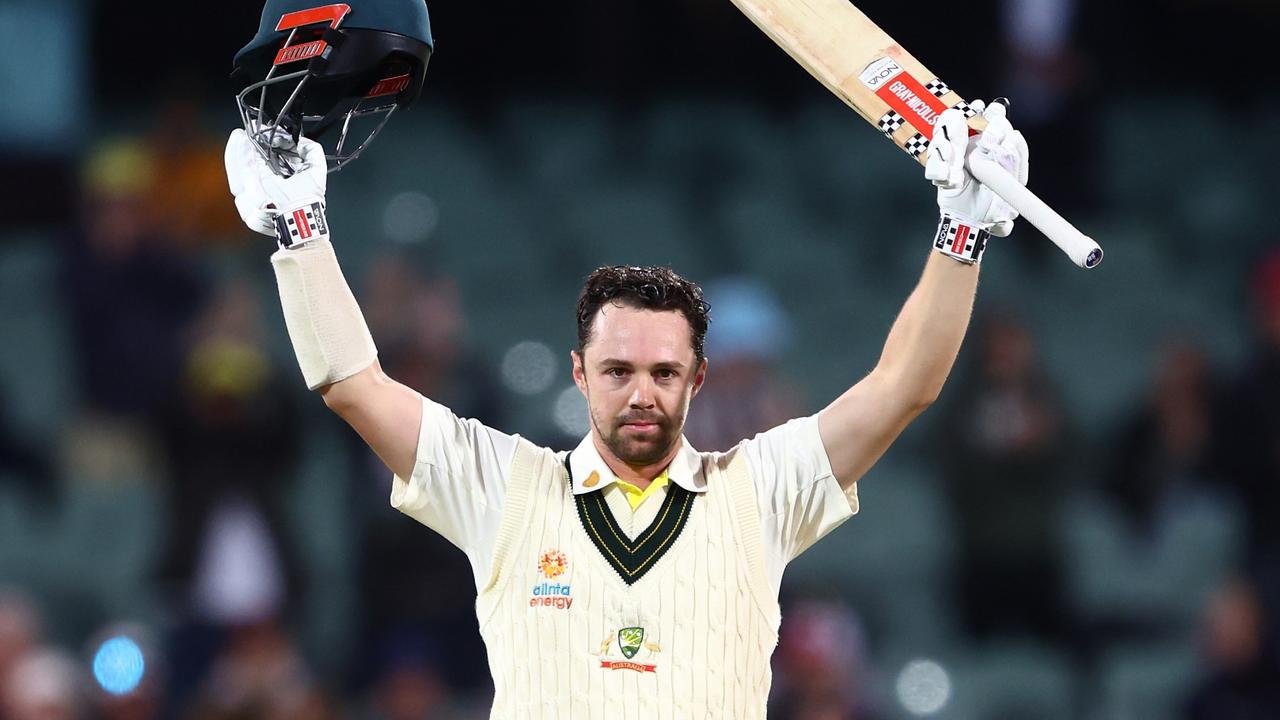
291, 209
962, 199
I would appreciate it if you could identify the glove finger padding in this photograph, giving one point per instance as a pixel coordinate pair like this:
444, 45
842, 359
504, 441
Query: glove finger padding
264, 198
1007, 147
962, 200
309, 182
259, 220
314, 165
231, 161
945, 165
1018, 145
241, 159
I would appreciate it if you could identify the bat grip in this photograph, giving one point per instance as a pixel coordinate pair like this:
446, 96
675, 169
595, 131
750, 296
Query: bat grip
1081, 248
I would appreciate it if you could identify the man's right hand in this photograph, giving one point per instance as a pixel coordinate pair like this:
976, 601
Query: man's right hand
291, 209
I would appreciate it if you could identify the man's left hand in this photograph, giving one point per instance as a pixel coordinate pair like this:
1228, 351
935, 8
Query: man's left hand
266, 200
960, 196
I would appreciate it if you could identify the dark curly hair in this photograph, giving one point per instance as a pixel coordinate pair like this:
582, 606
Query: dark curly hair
648, 288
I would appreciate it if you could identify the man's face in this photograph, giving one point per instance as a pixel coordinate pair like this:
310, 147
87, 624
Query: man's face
638, 374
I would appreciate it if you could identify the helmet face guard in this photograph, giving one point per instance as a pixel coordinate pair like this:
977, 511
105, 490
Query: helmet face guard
326, 75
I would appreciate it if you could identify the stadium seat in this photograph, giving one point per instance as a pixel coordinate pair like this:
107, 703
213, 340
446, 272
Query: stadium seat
713, 137
556, 144
1013, 681
888, 559
628, 221
1145, 681
1161, 582
37, 373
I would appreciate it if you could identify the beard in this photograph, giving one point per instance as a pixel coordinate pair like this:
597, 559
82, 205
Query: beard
640, 450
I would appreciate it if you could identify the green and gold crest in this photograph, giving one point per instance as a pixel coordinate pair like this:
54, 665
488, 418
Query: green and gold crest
630, 640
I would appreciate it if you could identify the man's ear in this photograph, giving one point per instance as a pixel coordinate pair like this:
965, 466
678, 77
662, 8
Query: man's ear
699, 377
579, 370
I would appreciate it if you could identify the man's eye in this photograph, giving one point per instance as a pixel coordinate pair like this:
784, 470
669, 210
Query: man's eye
666, 374
615, 372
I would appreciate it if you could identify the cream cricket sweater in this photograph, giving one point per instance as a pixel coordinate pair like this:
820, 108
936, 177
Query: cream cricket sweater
581, 622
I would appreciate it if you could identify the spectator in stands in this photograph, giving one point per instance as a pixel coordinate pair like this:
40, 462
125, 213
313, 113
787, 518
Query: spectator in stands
1242, 679
821, 665
259, 674
410, 685
749, 395
129, 296
1248, 447
44, 684
20, 630
421, 331
1167, 443
426, 329
1003, 447
1249, 438
189, 195
231, 439
1044, 69
136, 705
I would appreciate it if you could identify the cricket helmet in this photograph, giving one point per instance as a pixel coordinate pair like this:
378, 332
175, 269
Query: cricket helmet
313, 67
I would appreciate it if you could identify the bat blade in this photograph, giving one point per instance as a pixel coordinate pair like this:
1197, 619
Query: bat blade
863, 66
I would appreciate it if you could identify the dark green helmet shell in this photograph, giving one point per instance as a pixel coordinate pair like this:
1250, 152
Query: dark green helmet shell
402, 17
309, 77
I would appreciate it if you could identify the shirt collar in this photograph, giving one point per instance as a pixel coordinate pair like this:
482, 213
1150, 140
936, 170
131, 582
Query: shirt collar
685, 469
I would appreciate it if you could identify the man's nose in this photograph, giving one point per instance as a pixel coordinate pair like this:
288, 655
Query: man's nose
642, 393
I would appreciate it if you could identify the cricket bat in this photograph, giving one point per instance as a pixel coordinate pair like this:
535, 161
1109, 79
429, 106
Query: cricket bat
893, 91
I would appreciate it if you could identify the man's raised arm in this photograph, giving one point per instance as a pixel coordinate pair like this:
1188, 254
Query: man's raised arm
925, 339
330, 338
384, 412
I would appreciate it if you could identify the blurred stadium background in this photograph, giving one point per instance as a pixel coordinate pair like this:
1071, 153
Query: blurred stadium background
1080, 529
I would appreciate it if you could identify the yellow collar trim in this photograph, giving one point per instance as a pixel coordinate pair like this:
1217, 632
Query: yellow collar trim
636, 496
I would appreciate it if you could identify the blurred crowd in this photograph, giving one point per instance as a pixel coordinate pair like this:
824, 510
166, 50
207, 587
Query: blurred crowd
179, 387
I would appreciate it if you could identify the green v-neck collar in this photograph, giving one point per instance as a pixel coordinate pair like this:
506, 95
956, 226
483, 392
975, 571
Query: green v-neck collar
631, 559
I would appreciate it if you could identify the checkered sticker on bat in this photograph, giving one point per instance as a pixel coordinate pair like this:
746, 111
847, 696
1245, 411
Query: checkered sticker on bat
891, 122
916, 145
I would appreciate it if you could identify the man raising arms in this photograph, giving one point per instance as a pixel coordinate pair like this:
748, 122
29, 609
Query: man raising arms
634, 574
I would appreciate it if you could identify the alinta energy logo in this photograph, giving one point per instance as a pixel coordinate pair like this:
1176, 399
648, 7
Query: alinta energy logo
552, 564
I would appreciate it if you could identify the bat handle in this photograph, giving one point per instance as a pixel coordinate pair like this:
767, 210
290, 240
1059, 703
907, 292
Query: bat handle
1081, 248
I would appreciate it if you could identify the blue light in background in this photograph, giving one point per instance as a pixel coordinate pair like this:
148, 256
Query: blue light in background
118, 665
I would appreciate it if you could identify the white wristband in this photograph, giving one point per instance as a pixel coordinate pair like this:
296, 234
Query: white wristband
961, 238
330, 338
302, 223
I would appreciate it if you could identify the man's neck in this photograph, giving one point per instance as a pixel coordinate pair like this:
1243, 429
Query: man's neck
638, 475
